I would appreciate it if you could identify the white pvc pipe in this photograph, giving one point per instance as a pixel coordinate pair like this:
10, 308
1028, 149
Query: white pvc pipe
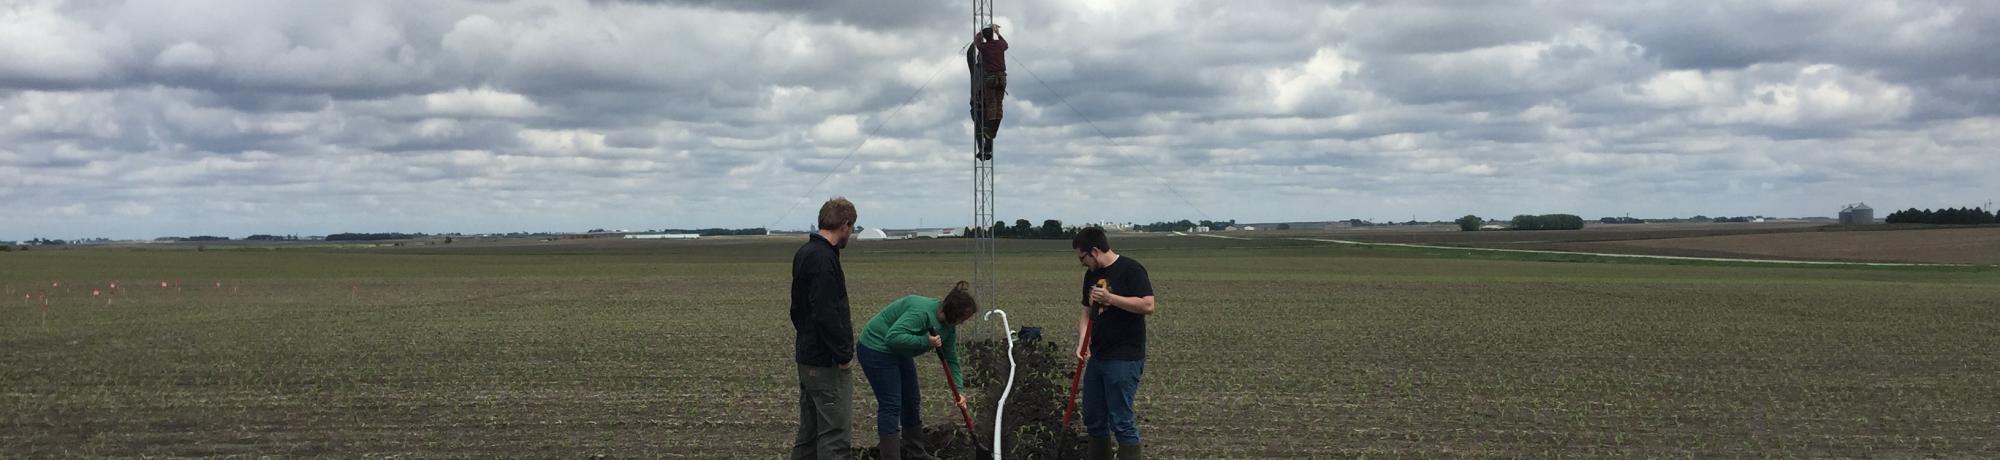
998, 412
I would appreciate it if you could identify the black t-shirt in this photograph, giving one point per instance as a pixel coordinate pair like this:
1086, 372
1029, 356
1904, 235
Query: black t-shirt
1116, 334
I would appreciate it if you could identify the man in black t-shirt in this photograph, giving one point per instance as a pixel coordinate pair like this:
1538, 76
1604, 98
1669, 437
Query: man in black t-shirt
1115, 315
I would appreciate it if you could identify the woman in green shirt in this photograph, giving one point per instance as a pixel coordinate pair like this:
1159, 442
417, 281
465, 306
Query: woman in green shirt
907, 328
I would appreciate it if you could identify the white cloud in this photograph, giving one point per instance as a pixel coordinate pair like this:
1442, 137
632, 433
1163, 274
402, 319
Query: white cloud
72, 210
131, 209
185, 57
1293, 87
83, 114
1481, 169
482, 102
837, 131
566, 142
1787, 96
40, 45
476, 41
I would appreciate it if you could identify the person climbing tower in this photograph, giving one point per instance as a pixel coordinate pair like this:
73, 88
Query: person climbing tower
990, 86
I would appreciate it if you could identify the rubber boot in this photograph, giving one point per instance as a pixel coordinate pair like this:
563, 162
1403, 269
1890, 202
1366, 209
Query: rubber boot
979, 148
1129, 451
913, 446
890, 447
992, 130
1100, 449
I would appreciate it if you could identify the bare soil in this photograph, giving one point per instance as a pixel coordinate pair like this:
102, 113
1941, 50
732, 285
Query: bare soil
1980, 246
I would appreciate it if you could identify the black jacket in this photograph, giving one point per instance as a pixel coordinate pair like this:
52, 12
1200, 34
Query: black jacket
819, 306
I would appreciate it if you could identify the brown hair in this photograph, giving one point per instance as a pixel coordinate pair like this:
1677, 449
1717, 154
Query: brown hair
836, 213
1091, 237
959, 305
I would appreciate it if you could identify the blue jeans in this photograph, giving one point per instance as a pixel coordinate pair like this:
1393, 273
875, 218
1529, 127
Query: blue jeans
894, 380
1108, 389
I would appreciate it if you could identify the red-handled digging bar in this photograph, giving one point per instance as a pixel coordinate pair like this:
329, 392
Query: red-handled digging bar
954, 394
1077, 381
962, 412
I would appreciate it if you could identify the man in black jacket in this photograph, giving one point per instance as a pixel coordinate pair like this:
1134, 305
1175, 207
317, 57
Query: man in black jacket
824, 348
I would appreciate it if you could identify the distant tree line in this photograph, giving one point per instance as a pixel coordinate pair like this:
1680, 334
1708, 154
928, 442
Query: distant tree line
1051, 229
372, 236
263, 237
1470, 223
44, 242
1620, 220
1183, 225
1548, 222
1950, 216
192, 238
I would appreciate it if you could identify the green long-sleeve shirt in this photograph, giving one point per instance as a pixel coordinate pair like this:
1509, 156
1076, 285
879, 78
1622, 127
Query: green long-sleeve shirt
904, 328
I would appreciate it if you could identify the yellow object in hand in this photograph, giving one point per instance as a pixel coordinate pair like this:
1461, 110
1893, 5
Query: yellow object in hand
1106, 286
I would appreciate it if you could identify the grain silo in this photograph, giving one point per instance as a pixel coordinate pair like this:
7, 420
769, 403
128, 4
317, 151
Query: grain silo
1857, 214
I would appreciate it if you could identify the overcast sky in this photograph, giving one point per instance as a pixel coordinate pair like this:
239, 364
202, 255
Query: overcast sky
152, 118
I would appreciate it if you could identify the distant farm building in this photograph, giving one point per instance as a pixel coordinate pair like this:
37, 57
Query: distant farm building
1110, 226
914, 233
664, 236
1857, 214
871, 234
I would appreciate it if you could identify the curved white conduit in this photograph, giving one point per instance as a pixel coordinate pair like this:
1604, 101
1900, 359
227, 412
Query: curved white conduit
998, 412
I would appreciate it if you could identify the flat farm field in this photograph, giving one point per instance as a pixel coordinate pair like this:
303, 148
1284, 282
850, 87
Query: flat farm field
1921, 244
1261, 348
1978, 246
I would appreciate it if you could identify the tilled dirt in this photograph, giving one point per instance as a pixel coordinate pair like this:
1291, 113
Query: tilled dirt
1033, 425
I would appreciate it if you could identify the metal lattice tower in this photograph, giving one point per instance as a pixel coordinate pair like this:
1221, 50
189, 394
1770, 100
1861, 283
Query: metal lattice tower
983, 285
982, 13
